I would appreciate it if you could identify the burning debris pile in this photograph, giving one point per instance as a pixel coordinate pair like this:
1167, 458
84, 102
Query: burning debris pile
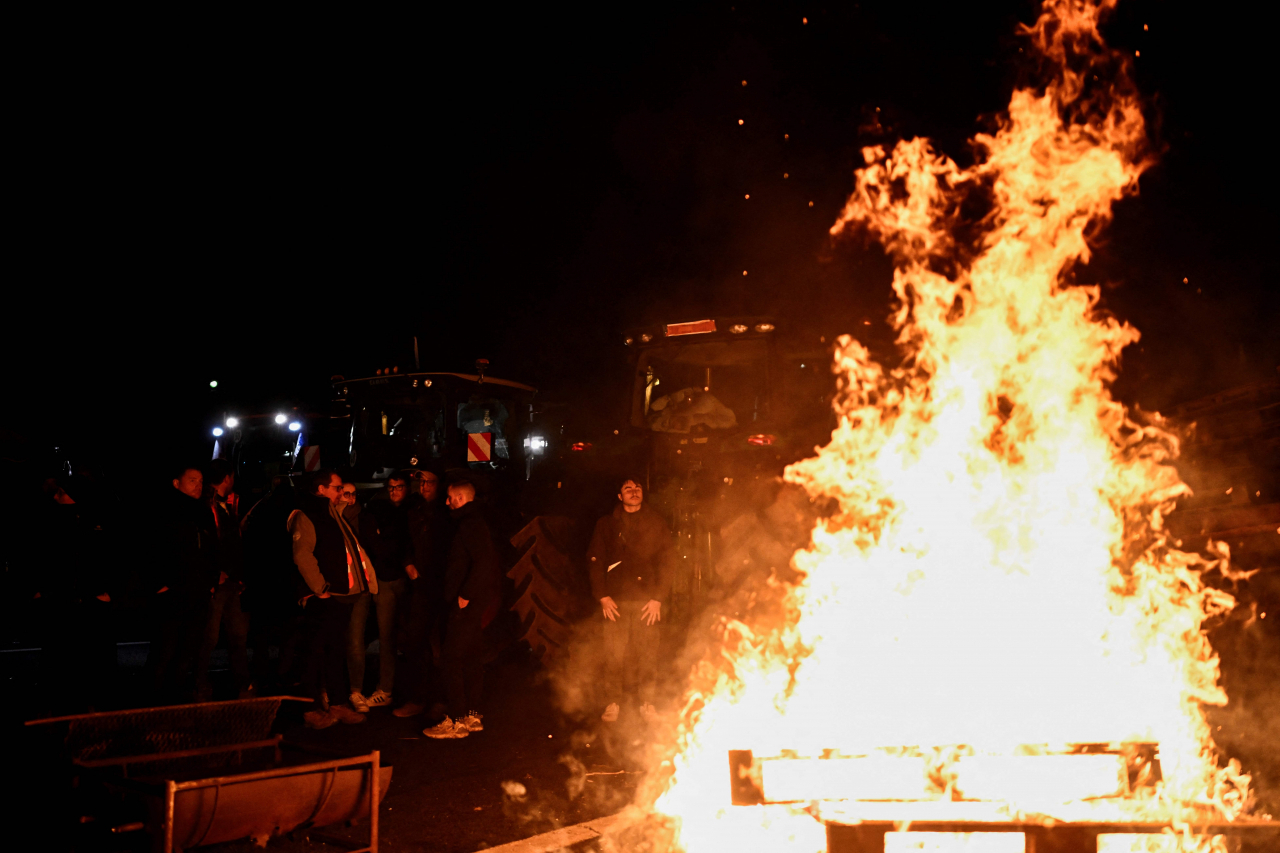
995, 612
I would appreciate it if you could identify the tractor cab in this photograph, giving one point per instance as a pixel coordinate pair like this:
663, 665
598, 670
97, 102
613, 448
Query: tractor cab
723, 404
444, 420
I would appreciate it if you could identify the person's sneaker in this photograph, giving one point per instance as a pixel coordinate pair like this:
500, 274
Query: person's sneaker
447, 729
343, 714
379, 698
409, 709
610, 714
360, 703
648, 713
319, 719
473, 721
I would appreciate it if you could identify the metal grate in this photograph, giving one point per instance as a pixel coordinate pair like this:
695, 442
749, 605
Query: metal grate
148, 731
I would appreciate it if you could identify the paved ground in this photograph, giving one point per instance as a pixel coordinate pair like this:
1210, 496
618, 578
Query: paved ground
445, 795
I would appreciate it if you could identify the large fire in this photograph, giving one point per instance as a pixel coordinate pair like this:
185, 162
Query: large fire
997, 580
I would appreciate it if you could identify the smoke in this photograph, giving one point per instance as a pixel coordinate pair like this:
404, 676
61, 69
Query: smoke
623, 767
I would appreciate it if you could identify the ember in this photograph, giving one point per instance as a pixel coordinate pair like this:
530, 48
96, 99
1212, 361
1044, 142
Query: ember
997, 587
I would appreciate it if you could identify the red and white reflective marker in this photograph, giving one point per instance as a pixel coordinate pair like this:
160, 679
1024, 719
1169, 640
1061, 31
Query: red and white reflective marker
311, 457
696, 327
478, 446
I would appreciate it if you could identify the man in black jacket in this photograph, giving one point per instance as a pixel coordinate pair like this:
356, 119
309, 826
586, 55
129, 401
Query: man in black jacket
73, 586
384, 528
183, 580
473, 592
630, 562
430, 533
226, 616
334, 570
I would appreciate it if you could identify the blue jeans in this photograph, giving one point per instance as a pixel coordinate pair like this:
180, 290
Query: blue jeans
389, 593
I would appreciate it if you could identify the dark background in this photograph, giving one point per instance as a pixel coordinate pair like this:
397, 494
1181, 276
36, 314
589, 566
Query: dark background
267, 201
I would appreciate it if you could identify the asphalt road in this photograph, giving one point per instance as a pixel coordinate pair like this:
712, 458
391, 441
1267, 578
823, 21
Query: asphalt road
444, 795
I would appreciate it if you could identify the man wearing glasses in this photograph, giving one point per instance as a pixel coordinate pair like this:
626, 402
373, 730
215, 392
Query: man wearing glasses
350, 506
335, 570
384, 528
429, 530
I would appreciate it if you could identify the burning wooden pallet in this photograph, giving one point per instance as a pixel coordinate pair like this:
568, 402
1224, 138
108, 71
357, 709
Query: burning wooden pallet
1092, 797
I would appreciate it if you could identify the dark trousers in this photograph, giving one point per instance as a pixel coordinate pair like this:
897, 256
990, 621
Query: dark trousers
324, 625
225, 617
463, 660
631, 654
179, 620
79, 653
421, 678
277, 624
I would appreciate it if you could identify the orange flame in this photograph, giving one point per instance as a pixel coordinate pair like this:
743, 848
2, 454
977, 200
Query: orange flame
997, 574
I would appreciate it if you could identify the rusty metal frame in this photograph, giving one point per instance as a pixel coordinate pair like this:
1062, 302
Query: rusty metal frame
124, 711
373, 759
123, 761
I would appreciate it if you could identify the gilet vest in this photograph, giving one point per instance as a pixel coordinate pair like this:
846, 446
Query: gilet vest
331, 547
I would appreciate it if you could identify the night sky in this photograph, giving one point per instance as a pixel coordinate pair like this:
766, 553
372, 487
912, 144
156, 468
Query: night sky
269, 202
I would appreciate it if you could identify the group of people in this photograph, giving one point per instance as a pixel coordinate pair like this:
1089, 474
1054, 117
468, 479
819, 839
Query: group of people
302, 572
456, 571
430, 575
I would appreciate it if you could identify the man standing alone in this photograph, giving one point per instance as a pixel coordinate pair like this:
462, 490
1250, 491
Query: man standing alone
630, 563
336, 571
473, 591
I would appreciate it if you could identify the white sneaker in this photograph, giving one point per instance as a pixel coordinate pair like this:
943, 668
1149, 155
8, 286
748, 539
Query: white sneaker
610, 714
447, 729
359, 703
473, 721
379, 698
648, 713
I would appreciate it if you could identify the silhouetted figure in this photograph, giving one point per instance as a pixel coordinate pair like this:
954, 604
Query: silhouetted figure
72, 588
430, 532
271, 587
473, 592
226, 617
184, 575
